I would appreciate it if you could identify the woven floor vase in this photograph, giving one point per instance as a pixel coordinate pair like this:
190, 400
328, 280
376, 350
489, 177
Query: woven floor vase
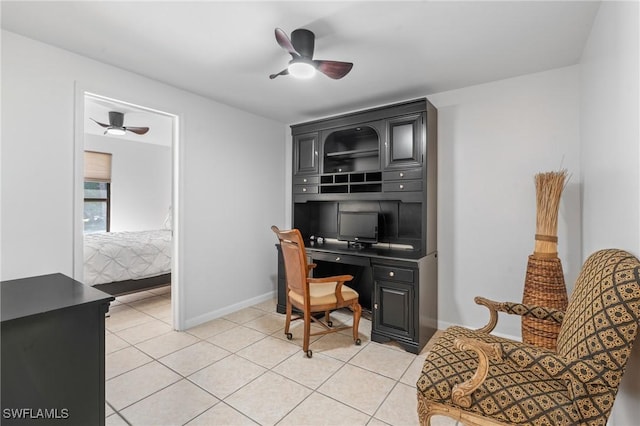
544, 286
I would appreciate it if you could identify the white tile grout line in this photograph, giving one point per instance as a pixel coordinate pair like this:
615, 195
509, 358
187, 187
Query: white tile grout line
344, 363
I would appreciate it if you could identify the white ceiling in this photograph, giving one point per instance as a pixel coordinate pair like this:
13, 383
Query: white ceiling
400, 50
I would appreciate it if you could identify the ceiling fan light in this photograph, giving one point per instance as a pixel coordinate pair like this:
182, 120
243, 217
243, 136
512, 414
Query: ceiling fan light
301, 70
115, 131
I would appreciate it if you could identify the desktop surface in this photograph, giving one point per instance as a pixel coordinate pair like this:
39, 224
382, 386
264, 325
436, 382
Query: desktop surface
380, 250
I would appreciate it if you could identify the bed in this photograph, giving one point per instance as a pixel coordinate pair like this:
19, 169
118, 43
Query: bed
123, 262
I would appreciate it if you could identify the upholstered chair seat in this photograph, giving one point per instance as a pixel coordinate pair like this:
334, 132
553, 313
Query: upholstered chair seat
324, 293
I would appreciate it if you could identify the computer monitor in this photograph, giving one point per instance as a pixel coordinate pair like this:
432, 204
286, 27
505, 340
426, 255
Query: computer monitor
358, 227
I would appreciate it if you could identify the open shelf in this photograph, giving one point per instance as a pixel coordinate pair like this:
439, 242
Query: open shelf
354, 153
352, 150
348, 183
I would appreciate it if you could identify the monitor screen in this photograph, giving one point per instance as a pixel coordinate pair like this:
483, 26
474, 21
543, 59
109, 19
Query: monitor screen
361, 227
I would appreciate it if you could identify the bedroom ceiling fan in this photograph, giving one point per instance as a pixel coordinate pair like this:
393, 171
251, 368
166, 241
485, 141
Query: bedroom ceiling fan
302, 64
115, 126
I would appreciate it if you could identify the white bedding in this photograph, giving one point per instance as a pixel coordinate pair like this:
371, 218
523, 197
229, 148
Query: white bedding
119, 256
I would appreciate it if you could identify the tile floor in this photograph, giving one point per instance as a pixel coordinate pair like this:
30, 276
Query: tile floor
241, 370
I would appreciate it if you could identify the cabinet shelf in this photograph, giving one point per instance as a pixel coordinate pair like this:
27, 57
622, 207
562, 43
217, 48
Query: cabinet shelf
354, 153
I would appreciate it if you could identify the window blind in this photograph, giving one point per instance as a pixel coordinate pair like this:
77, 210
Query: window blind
97, 166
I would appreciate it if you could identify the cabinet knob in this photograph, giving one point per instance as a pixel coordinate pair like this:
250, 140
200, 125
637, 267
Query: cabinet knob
401, 174
304, 189
391, 273
304, 180
401, 186
375, 306
338, 259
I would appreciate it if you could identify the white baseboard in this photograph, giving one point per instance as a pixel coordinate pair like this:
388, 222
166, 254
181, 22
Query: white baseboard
201, 319
442, 325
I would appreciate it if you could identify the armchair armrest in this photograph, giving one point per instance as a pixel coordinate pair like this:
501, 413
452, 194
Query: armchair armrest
338, 279
521, 309
461, 392
310, 266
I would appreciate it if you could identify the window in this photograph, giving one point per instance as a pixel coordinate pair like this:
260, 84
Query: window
97, 192
96, 206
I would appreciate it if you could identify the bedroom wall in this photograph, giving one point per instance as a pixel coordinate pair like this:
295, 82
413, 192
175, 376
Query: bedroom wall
231, 168
610, 134
492, 140
140, 182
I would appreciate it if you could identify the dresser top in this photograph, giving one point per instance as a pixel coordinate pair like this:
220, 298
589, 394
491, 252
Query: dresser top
35, 295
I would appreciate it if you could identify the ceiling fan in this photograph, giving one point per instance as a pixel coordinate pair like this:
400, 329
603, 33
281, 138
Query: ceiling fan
302, 64
115, 126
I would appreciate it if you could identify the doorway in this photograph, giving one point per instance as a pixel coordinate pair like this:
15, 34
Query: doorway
125, 224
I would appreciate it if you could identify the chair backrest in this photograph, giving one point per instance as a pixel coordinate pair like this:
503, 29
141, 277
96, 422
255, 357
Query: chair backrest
601, 321
295, 260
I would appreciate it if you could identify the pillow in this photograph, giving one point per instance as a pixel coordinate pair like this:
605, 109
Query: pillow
168, 220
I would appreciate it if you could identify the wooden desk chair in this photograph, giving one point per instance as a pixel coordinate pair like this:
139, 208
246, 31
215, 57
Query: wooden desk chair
481, 379
312, 295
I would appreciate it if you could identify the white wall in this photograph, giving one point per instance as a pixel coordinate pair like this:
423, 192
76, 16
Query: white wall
492, 140
140, 182
610, 163
231, 180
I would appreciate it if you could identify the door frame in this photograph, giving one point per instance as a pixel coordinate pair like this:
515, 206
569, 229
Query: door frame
176, 200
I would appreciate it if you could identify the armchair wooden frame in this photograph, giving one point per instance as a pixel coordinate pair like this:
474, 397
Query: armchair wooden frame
480, 379
312, 295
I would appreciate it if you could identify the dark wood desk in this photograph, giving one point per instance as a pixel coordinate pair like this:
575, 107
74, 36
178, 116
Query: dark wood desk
53, 352
399, 287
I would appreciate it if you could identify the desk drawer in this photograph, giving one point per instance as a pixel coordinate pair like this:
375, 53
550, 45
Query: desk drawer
340, 258
403, 186
402, 174
389, 273
305, 189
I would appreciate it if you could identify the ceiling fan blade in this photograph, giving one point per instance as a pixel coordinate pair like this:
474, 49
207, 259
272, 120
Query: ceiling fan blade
97, 122
283, 72
137, 130
333, 69
285, 43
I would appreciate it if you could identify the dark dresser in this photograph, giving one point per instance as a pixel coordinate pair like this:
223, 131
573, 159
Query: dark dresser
53, 352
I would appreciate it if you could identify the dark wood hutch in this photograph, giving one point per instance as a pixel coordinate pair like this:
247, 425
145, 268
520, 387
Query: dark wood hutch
379, 160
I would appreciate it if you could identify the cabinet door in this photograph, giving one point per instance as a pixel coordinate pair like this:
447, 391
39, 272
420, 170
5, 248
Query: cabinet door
393, 308
305, 154
404, 141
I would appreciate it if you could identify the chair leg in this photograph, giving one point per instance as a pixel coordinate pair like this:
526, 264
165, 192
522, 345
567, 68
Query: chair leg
357, 312
287, 321
327, 319
307, 332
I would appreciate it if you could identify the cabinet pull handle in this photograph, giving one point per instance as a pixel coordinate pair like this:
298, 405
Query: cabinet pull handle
391, 273
337, 258
375, 306
401, 186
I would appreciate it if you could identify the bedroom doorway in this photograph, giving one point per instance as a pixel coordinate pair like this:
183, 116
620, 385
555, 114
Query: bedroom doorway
126, 175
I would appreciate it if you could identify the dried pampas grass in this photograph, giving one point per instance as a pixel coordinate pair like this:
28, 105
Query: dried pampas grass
549, 188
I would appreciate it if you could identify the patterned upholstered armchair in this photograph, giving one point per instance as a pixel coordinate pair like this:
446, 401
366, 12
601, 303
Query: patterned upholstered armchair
481, 379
